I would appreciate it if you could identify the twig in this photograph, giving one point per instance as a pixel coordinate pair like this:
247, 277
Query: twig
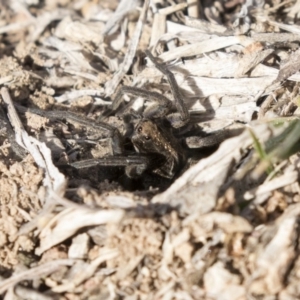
33, 273
112, 84
76, 94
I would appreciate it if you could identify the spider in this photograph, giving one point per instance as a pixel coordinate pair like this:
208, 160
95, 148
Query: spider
151, 134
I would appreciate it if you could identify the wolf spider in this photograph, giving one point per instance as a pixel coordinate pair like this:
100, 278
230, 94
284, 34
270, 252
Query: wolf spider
151, 134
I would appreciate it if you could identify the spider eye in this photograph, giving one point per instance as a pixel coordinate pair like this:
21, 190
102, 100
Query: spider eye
147, 137
140, 129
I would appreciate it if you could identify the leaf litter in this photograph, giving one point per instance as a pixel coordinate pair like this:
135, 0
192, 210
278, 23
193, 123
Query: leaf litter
226, 228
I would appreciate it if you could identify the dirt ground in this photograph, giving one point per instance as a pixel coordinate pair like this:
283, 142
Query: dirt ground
224, 224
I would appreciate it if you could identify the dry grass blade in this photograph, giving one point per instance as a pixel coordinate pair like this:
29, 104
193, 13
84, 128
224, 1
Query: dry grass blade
123, 8
33, 273
111, 86
203, 47
87, 271
70, 220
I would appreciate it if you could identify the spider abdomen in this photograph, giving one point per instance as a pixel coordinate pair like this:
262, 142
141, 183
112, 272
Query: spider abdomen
149, 138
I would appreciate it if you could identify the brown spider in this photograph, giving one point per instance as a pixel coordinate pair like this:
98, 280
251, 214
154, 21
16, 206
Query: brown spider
158, 150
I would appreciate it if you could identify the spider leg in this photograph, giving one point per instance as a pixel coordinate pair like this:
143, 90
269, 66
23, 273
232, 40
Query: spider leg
17, 149
114, 134
134, 165
168, 170
181, 107
216, 138
160, 110
208, 141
